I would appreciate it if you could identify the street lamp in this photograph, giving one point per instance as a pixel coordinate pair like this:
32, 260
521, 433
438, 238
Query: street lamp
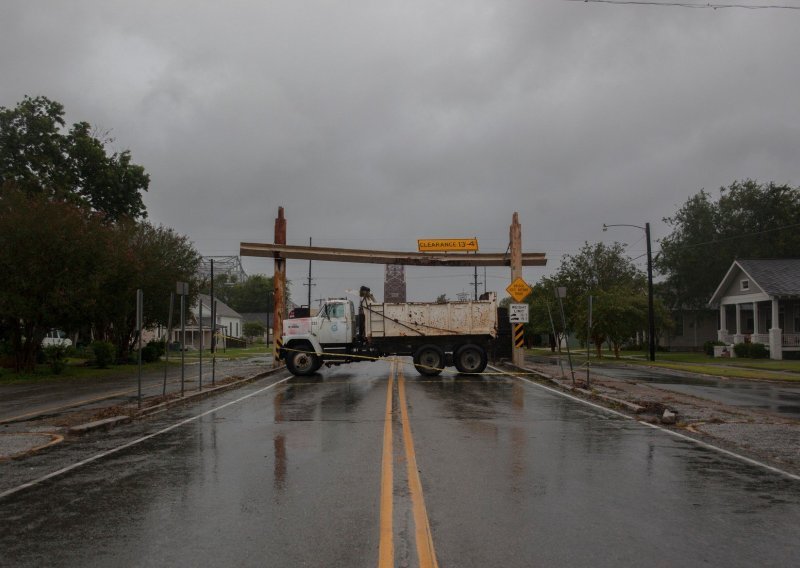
651, 320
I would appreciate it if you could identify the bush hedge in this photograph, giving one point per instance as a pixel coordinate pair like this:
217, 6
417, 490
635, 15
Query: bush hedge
751, 350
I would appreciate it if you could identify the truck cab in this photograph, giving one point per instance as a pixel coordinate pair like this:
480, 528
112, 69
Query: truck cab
329, 336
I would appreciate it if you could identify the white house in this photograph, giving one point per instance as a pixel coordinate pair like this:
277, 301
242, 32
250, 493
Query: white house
759, 300
228, 324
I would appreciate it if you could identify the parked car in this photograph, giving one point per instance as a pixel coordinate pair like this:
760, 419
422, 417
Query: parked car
56, 337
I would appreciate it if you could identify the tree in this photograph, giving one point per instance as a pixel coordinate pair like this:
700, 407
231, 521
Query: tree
441, 299
51, 257
749, 220
253, 295
143, 256
618, 288
252, 329
39, 156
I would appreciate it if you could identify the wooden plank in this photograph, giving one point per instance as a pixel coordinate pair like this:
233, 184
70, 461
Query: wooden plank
282, 251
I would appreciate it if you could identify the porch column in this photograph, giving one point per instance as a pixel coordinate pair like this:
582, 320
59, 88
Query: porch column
723, 325
775, 347
738, 337
755, 318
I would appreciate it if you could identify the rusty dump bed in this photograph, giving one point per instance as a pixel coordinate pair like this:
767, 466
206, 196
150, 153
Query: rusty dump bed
428, 319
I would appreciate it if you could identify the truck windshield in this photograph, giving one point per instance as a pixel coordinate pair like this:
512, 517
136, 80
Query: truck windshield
335, 310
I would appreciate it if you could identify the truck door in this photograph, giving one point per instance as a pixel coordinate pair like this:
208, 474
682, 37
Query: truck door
334, 325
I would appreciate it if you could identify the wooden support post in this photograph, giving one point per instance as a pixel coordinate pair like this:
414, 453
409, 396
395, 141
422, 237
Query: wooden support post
279, 285
515, 239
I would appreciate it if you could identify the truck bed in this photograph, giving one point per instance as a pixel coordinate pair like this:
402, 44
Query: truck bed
429, 319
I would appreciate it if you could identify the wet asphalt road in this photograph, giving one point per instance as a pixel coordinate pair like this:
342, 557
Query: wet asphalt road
511, 475
775, 397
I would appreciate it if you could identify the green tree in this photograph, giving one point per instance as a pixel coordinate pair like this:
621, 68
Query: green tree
618, 288
40, 156
252, 329
51, 258
253, 295
749, 220
141, 255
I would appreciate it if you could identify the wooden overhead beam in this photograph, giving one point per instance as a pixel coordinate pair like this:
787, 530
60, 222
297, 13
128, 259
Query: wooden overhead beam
281, 251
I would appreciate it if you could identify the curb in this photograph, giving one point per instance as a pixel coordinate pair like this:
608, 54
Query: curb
136, 413
629, 406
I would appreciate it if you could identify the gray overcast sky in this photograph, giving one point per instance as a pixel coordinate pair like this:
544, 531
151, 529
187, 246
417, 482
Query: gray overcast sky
377, 123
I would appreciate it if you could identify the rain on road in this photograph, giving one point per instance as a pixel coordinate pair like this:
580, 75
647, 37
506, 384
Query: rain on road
315, 471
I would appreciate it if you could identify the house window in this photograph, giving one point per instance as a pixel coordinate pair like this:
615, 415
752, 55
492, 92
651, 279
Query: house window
744, 285
678, 319
797, 318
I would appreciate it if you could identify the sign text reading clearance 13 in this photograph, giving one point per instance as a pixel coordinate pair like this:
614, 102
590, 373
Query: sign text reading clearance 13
447, 245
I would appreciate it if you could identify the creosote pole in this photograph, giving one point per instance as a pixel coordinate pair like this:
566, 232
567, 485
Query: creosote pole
515, 240
279, 284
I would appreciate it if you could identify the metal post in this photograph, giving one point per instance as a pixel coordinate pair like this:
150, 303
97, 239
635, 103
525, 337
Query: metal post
476, 283
200, 327
139, 310
309, 280
183, 339
651, 317
555, 337
213, 330
588, 341
562, 293
167, 342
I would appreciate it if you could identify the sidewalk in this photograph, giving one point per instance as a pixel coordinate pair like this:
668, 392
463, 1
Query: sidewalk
38, 416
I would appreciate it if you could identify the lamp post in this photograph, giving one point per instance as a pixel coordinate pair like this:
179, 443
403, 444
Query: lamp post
651, 320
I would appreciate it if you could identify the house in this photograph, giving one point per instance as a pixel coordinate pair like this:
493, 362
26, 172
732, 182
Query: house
759, 301
228, 324
691, 329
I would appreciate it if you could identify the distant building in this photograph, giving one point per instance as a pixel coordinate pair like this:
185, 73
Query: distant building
228, 324
394, 284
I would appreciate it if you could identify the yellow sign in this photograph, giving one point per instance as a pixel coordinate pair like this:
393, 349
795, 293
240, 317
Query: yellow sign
448, 245
519, 289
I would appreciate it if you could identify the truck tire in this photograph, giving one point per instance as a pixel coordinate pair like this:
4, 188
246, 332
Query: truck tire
429, 360
302, 363
470, 358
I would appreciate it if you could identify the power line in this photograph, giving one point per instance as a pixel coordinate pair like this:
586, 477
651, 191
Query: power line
707, 5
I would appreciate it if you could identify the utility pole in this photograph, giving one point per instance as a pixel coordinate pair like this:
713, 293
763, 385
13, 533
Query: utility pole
279, 283
651, 319
515, 244
309, 284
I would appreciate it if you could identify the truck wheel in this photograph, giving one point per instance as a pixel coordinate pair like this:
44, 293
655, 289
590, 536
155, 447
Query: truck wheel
429, 360
301, 363
470, 358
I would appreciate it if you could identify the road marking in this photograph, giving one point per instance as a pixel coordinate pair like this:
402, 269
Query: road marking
425, 551
386, 550
701, 443
127, 445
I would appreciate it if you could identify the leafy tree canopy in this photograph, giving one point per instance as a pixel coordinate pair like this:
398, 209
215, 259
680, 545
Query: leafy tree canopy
253, 295
748, 220
40, 156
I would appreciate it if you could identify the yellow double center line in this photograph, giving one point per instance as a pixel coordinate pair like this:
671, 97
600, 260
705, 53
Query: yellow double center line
423, 537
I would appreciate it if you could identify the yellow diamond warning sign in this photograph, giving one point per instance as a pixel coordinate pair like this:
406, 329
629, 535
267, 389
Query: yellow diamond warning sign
519, 289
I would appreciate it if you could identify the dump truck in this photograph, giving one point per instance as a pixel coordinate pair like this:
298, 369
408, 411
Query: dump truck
436, 335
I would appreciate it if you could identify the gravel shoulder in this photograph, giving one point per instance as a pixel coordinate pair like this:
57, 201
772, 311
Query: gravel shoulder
761, 435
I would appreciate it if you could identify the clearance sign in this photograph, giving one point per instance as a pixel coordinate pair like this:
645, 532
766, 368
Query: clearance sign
448, 245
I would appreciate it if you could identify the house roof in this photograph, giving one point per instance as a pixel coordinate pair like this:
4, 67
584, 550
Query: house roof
776, 277
223, 309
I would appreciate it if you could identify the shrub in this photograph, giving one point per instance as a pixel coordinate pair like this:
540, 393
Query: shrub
742, 350
102, 354
708, 347
55, 356
152, 351
758, 351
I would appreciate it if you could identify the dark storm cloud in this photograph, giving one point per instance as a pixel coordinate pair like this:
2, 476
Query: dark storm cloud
378, 123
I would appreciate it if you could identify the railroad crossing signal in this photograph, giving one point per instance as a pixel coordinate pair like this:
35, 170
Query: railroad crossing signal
519, 289
519, 335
